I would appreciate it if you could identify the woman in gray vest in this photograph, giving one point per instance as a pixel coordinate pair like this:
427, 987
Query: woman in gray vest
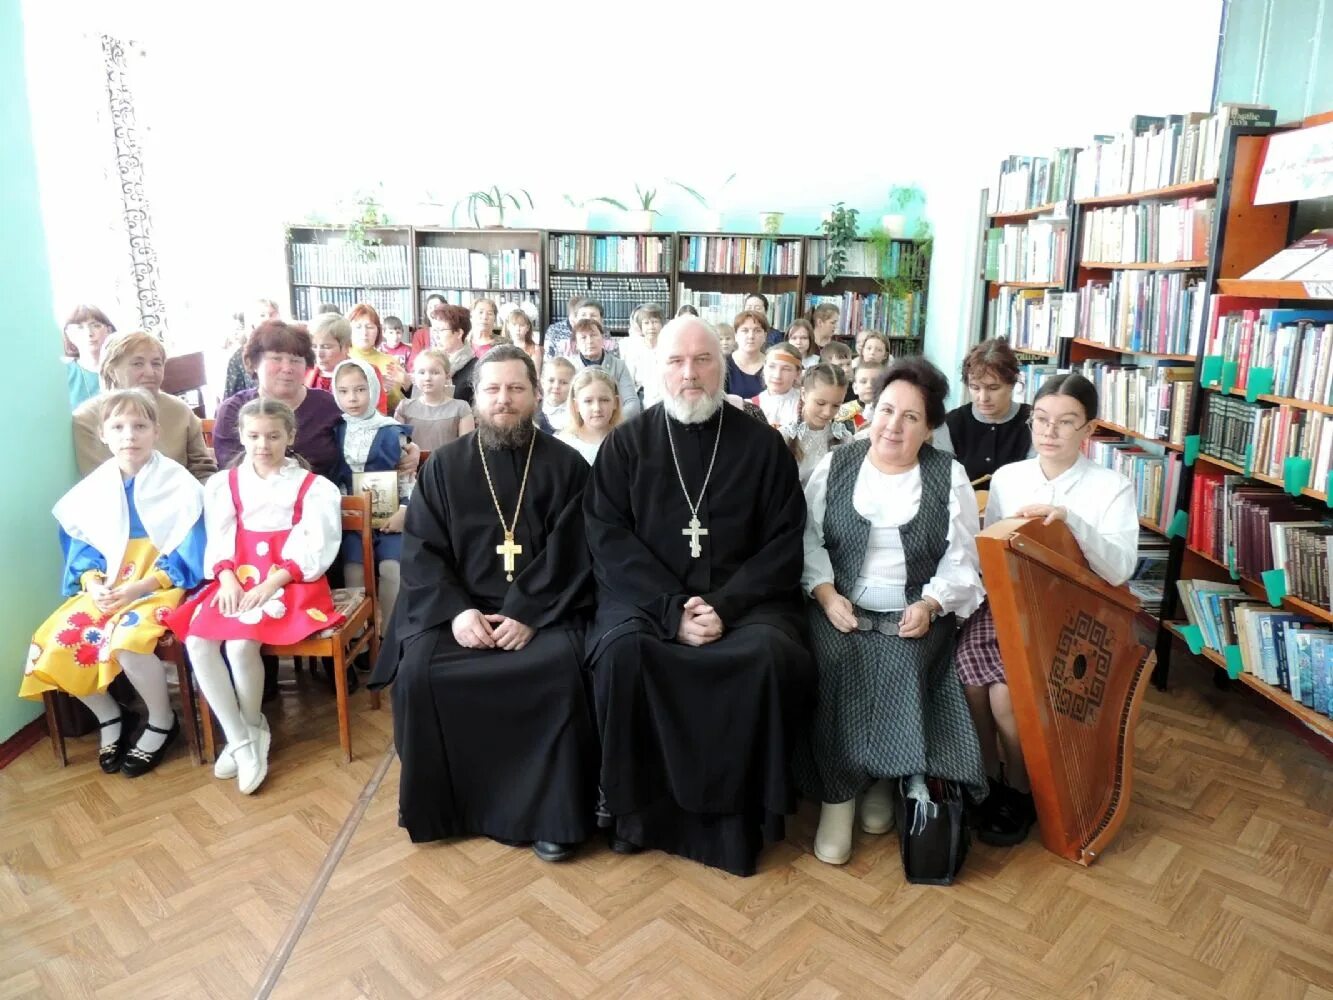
891, 564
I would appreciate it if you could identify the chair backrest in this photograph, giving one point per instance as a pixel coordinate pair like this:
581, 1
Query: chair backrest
185, 376
356, 517
208, 423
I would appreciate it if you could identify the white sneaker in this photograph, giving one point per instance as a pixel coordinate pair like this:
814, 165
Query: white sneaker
251, 767
833, 838
877, 808
263, 739
225, 766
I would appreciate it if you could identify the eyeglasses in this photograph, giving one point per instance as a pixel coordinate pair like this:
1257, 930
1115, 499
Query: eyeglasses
1063, 428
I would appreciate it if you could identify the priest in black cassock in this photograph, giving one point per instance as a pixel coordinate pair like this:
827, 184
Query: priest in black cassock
485, 652
701, 676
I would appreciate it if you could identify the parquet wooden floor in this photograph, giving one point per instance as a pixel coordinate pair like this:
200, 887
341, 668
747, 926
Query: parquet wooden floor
176, 886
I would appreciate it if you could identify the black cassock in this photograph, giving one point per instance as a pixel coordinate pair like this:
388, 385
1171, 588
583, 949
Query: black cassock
496, 743
696, 741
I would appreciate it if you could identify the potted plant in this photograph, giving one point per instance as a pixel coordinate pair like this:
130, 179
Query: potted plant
714, 220
641, 218
770, 222
839, 228
902, 199
486, 208
579, 209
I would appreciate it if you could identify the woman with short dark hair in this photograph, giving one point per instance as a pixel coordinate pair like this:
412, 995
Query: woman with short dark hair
991, 431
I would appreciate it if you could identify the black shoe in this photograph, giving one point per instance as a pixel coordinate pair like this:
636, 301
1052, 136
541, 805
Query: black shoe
111, 756
549, 850
980, 813
139, 762
1010, 820
620, 845
511, 843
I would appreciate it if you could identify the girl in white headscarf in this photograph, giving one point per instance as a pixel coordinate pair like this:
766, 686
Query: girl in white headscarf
370, 442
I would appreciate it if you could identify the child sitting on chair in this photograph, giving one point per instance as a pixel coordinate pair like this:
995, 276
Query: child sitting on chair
817, 431
435, 415
557, 376
133, 537
594, 411
781, 398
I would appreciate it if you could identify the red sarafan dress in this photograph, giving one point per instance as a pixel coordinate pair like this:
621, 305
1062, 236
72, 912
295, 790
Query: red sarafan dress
294, 612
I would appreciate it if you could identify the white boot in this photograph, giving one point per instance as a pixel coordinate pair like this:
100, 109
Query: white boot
251, 768
833, 838
877, 808
225, 765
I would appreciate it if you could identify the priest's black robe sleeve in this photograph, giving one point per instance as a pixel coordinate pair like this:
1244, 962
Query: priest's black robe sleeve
432, 593
556, 584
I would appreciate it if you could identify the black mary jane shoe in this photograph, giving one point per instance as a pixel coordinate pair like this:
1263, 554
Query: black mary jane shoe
139, 762
549, 850
111, 756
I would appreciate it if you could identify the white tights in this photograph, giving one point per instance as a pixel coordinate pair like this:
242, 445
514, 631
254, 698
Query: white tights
354, 575
237, 707
147, 675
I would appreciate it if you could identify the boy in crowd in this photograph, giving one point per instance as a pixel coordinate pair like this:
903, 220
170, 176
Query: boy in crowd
557, 375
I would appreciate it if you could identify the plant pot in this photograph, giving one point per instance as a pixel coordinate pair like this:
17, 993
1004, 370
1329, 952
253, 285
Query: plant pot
770, 222
489, 217
640, 221
895, 226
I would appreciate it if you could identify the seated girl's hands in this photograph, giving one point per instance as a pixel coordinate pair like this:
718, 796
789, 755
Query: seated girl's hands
1045, 511
228, 597
394, 525
837, 609
411, 458
122, 597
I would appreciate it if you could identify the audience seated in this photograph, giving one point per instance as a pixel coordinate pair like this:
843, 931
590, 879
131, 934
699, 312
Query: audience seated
85, 332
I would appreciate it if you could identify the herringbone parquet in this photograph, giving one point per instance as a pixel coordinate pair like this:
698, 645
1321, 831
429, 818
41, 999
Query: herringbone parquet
175, 886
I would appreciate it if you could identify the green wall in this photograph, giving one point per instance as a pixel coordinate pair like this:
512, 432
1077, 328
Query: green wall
1278, 52
36, 449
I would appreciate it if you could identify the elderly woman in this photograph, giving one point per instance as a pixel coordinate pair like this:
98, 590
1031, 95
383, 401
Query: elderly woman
890, 562
84, 333
137, 361
992, 430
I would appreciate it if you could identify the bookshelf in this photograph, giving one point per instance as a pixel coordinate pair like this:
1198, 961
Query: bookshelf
465, 265
861, 295
324, 267
621, 270
715, 271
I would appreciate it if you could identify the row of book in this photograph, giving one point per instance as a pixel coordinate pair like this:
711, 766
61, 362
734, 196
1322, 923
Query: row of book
1148, 581
864, 260
619, 296
1032, 181
1037, 251
1152, 400
467, 297
1293, 347
1310, 258
1260, 438
308, 301
1254, 527
341, 263
898, 316
740, 255
722, 307
458, 267
1149, 232
1155, 152
1032, 319
1155, 475
1154, 312
1285, 649
1031, 375
570, 252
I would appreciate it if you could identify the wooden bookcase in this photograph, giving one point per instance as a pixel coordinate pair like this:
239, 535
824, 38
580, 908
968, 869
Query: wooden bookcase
904, 326
323, 267
623, 270
445, 260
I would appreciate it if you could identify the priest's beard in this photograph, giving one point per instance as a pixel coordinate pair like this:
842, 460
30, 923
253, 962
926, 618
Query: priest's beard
494, 436
695, 411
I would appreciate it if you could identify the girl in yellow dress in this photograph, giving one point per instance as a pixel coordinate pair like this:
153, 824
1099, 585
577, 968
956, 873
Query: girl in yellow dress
132, 533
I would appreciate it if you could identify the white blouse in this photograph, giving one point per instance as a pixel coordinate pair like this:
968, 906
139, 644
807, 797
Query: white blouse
888, 502
314, 540
780, 410
1102, 514
588, 451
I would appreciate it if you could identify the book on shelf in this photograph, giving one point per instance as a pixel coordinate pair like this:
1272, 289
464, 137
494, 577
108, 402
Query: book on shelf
1152, 400
1030, 377
1152, 312
1155, 475
1261, 437
307, 300
1148, 580
1032, 318
1295, 345
903, 259
343, 263
586, 252
619, 295
1027, 182
1308, 259
1035, 251
903, 316
1153, 232
740, 255
459, 267
1155, 152
1249, 115
722, 307
468, 297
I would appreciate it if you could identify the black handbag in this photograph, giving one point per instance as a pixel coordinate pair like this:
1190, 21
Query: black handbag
933, 836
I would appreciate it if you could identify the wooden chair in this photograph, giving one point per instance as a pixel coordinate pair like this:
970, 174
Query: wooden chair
209, 423
169, 650
185, 376
343, 643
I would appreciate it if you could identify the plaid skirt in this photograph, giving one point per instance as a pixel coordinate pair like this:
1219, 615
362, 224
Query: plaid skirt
977, 654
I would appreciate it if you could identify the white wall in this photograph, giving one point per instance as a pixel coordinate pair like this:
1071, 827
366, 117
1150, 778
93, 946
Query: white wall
259, 114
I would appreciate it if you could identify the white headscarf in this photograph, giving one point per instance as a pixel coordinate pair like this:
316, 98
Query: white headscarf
361, 430
167, 498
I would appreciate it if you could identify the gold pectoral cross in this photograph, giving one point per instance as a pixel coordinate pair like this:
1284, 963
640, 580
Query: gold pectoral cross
509, 549
694, 531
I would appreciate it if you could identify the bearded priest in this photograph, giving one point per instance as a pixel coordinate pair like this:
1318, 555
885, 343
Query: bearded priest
485, 650
702, 680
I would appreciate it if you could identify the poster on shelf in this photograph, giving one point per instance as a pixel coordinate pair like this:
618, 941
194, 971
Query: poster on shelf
1298, 165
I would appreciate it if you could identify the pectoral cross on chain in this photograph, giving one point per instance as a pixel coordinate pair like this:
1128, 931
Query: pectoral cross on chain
509, 549
694, 531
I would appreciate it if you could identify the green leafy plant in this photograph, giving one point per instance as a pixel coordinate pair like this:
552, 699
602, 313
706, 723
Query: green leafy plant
904, 196
491, 197
693, 193
904, 283
600, 199
840, 231
646, 198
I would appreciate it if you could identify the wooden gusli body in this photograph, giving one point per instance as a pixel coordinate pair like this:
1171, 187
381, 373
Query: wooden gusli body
1076, 676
